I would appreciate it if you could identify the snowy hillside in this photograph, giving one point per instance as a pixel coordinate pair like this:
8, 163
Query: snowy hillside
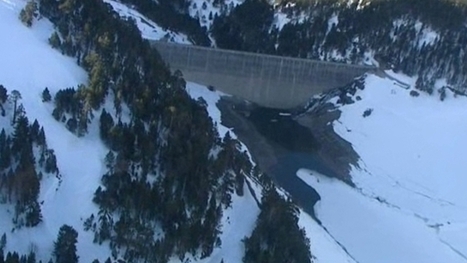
29, 65
409, 204
149, 30
80, 160
205, 11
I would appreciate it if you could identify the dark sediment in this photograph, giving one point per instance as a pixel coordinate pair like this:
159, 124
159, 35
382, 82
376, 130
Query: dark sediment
281, 144
335, 153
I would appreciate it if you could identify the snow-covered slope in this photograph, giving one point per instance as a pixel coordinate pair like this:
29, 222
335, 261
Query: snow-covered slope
410, 203
149, 29
29, 65
205, 10
239, 220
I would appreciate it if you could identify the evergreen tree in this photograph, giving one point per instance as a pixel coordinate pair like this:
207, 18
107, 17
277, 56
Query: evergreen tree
65, 246
51, 162
55, 41
15, 97
3, 242
106, 123
33, 214
287, 243
28, 13
46, 97
12, 257
3, 94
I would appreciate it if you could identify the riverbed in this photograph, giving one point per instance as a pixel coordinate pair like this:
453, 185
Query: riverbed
282, 142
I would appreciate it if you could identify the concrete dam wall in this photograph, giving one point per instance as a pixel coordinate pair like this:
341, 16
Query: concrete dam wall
270, 81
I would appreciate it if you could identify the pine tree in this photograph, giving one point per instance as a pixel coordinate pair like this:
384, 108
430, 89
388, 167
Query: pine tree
65, 246
46, 97
28, 13
3, 94
3, 242
5, 151
106, 123
33, 214
55, 41
31, 258
51, 162
110, 161
12, 257
21, 145
15, 97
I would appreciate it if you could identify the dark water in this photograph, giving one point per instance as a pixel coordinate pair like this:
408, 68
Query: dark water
300, 152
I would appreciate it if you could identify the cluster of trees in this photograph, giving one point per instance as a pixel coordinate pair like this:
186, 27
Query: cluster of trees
394, 31
173, 15
165, 190
14, 257
277, 237
69, 109
246, 28
24, 157
64, 249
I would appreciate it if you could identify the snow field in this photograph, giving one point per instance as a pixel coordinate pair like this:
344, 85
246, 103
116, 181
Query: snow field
409, 204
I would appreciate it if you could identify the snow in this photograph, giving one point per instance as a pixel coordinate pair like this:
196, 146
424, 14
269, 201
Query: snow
427, 36
409, 204
372, 231
29, 65
280, 20
204, 9
323, 247
149, 29
333, 22
197, 91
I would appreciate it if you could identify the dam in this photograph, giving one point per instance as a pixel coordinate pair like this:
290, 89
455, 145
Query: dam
268, 80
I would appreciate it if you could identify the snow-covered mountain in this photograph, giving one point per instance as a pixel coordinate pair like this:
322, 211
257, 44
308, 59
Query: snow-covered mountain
29, 64
408, 204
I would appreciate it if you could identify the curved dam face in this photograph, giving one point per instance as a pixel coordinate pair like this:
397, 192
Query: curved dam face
270, 81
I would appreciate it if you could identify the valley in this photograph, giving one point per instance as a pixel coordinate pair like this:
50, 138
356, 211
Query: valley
151, 167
